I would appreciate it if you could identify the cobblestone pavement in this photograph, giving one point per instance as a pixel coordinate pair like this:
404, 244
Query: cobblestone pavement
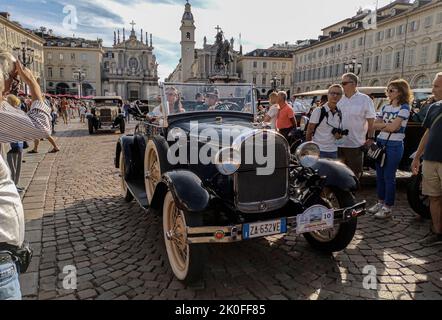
76, 216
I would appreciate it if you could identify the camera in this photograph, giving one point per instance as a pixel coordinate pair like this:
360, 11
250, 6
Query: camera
341, 132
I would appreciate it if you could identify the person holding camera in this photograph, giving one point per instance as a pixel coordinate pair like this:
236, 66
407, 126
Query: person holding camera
392, 122
358, 115
15, 125
325, 126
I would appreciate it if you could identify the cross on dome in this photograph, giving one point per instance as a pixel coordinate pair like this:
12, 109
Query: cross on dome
133, 24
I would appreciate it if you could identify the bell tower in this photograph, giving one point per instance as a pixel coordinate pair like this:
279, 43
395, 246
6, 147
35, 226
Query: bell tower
187, 42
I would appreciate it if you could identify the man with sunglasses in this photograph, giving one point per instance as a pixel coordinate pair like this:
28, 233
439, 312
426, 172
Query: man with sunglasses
358, 116
15, 125
324, 123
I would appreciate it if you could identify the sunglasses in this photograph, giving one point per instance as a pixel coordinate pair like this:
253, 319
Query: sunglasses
345, 83
392, 90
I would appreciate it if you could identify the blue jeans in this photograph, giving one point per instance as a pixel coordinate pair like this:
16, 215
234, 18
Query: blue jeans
328, 155
9, 284
386, 176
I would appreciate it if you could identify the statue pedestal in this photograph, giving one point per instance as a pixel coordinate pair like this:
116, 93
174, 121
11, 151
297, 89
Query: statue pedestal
224, 79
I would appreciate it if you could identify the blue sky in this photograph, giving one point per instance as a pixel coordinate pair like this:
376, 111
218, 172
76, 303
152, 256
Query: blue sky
261, 23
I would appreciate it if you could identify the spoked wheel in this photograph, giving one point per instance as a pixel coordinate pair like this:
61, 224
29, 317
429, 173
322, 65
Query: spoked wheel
122, 126
152, 170
186, 260
418, 202
338, 238
128, 197
91, 127
155, 164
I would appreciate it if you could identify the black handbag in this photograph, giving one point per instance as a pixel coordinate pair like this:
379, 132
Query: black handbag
379, 153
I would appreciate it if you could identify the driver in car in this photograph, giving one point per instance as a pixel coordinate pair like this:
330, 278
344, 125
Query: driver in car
212, 101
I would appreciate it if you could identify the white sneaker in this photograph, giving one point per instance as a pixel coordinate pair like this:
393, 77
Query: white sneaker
384, 213
375, 209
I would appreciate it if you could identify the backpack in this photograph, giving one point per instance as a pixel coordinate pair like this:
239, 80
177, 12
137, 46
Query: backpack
324, 114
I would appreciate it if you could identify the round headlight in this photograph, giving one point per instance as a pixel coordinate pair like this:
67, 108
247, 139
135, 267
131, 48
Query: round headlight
308, 154
227, 161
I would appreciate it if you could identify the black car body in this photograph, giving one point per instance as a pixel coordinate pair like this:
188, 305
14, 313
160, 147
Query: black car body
226, 200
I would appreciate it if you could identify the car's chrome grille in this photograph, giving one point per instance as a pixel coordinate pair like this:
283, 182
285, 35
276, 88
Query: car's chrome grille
106, 115
263, 193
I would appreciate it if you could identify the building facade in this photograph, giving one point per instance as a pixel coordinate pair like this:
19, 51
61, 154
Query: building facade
407, 43
130, 68
13, 35
199, 64
65, 58
268, 69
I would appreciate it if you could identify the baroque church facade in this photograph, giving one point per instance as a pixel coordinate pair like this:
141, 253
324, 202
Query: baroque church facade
200, 65
130, 68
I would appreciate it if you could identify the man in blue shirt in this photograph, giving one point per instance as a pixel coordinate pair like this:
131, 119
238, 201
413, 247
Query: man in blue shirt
430, 147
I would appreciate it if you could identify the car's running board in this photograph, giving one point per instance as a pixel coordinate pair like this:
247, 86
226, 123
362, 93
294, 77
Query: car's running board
138, 191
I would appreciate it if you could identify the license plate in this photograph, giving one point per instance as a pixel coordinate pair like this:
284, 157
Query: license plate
263, 229
316, 218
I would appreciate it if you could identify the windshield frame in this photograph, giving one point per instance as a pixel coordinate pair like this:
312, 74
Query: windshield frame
165, 103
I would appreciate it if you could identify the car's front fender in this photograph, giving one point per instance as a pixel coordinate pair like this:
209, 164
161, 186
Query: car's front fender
124, 146
187, 190
337, 175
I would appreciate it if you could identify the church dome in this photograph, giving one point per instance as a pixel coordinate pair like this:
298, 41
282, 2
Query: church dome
188, 16
188, 12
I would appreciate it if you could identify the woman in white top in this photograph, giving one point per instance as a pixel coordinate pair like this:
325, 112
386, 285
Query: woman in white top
272, 114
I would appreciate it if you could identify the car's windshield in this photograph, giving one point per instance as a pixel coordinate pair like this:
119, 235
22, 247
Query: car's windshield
107, 102
422, 95
186, 98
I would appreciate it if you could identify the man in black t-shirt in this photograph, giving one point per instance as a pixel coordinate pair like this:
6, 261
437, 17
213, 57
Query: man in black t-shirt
430, 147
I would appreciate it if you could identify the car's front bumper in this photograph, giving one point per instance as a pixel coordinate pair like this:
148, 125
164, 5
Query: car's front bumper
234, 233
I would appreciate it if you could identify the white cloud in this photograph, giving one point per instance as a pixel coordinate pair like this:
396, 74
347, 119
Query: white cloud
261, 23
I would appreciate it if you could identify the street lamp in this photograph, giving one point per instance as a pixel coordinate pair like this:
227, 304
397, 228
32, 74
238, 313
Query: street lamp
79, 76
353, 67
274, 83
26, 57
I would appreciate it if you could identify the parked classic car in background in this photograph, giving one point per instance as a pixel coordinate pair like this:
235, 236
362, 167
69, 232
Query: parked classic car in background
197, 166
106, 115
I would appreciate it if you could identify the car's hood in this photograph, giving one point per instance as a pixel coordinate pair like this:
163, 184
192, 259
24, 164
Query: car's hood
226, 131
225, 134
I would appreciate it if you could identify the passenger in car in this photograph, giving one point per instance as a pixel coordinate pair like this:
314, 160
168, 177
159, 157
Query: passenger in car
175, 105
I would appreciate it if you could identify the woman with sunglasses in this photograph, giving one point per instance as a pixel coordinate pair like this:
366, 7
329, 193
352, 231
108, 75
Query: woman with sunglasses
392, 123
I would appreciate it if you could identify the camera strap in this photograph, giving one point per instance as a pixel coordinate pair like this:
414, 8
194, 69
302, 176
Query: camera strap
324, 115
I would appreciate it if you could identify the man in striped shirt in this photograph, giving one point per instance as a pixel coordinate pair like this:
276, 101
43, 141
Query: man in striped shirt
15, 125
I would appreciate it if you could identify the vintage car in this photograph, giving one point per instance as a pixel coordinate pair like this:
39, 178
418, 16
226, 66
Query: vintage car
413, 133
217, 177
106, 115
